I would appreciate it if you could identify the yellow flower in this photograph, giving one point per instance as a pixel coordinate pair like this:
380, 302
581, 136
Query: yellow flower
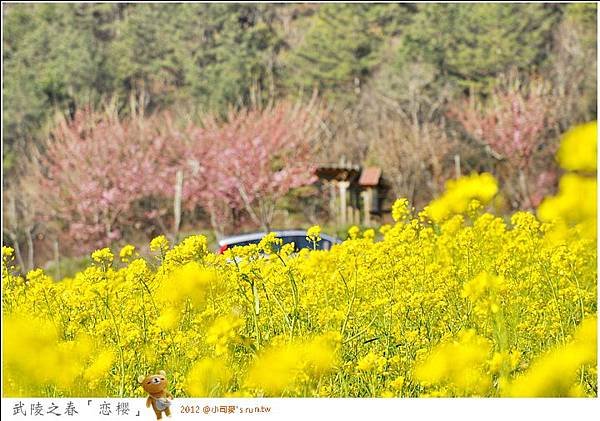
324, 391
159, 243
474, 208
366, 318
126, 253
575, 202
208, 377
496, 362
385, 228
168, 319
223, 332
191, 249
371, 362
36, 276
578, 148
35, 355
100, 368
504, 361
7, 251
460, 193
397, 383
458, 364
314, 234
190, 281
270, 243
103, 256
481, 285
400, 210
275, 371
369, 234
353, 232
280, 368
319, 353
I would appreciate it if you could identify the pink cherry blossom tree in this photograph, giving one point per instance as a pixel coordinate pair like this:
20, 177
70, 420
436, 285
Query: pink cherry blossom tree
251, 160
206, 184
513, 123
100, 175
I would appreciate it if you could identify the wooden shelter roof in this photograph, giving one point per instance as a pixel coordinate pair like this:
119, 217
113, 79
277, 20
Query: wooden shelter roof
369, 177
339, 172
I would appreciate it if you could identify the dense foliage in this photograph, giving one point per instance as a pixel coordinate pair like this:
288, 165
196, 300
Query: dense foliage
210, 56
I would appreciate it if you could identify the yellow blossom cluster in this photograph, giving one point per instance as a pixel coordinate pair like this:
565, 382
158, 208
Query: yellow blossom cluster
578, 149
313, 234
459, 195
576, 200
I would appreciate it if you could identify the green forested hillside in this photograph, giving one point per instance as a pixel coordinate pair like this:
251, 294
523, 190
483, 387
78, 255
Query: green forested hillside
210, 56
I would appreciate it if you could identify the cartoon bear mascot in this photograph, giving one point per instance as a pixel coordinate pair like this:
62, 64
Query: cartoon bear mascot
156, 387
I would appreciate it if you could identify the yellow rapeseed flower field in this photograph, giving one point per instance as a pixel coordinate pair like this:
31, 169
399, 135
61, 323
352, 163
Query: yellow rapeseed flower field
453, 301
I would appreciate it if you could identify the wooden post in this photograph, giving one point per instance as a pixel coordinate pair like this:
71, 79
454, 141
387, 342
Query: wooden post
177, 204
332, 197
366, 195
350, 215
343, 186
457, 170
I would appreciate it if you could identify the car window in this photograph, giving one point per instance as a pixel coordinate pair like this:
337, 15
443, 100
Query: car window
243, 243
300, 242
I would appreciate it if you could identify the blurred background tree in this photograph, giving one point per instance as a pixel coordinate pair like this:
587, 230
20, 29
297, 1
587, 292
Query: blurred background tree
472, 44
337, 53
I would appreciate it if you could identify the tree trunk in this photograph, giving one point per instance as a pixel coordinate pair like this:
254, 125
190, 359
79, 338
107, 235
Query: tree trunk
29, 248
248, 205
18, 254
523, 179
216, 228
57, 259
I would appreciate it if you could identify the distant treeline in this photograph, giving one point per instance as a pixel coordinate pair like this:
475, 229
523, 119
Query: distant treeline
209, 57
